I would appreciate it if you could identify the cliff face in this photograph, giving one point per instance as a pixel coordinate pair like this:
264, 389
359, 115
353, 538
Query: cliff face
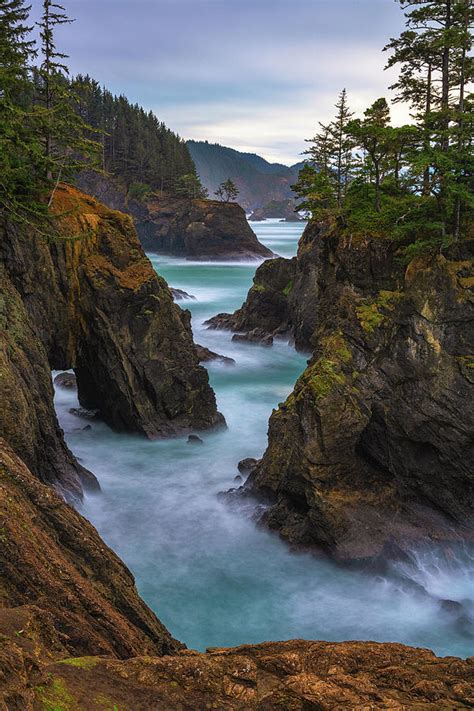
194, 229
374, 446
54, 559
88, 298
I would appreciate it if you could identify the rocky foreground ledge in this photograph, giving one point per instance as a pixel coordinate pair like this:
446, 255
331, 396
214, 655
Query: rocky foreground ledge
75, 636
199, 230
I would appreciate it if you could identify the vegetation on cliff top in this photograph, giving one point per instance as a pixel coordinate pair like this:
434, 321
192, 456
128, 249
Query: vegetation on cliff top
52, 126
413, 182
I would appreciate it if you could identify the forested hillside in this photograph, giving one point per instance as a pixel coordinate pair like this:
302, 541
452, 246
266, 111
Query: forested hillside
134, 144
258, 181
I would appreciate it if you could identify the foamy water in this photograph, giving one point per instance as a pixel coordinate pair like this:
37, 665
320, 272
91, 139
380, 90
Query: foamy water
209, 573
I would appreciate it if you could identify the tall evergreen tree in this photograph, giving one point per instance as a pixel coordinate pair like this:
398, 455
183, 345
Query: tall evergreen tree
17, 141
66, 143
374, 135
435, 71
331, 149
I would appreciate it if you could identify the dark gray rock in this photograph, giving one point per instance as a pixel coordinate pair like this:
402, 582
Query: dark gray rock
66, 380
194, 439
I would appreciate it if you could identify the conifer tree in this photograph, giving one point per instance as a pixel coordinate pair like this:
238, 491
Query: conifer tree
190, 186
331, 151
227, 191
374, 135
65, 139
17, 141
435, 71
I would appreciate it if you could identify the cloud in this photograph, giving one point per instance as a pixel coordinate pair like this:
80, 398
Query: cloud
254, 74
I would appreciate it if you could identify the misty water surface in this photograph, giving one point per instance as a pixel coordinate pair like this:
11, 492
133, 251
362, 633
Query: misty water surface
209, 573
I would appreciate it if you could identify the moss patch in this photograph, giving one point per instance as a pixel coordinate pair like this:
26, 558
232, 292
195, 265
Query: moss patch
372, 312
81, 662
55, 697
288, 288
323, 376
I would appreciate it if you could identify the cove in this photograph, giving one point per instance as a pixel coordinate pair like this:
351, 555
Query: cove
211, 575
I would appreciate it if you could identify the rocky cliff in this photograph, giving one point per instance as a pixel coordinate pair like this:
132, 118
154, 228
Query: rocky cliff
74, 635
194, 229
81, 294
373, 450
53, 559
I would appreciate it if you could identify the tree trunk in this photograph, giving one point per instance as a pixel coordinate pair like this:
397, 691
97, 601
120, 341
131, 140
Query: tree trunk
427, 141
377, 186
445, 81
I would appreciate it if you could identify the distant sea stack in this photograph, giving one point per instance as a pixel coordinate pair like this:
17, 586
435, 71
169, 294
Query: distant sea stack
284, 210
182, 227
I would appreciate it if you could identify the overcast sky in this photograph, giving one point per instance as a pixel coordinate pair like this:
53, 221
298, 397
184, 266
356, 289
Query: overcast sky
256, 75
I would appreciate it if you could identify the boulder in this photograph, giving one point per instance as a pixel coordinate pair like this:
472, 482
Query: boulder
194, 439
66, 380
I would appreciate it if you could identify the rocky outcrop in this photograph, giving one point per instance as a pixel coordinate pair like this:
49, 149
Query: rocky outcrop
295, 676
193, 229
199, 230
373, 450
53, 559
281, 209
207, 356
267, 311
86, 297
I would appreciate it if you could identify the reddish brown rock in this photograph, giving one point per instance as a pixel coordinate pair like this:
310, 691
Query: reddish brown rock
194, 229
89, 299
53, 559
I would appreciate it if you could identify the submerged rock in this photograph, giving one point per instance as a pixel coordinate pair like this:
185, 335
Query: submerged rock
194, 439
246, 466
85, 414
66, 380
373, 450
206, 356
180, 295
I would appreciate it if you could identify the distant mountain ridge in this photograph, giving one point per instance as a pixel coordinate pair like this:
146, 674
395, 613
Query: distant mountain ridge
258, 180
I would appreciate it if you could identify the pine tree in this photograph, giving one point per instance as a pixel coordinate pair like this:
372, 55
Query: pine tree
435, 70
17, 142
343, 146
374, 135
65, 136
190, 186
227, 191
331, 151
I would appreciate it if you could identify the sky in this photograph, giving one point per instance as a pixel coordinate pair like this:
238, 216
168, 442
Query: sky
256, 75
